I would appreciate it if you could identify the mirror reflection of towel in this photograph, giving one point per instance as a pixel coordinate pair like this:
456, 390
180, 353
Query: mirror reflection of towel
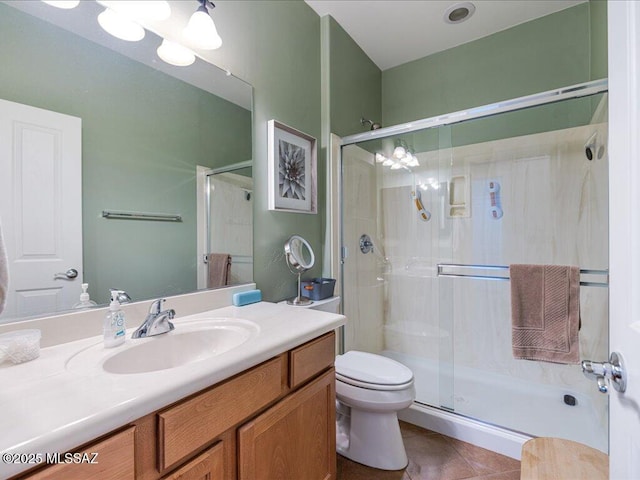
219, 268
4, 273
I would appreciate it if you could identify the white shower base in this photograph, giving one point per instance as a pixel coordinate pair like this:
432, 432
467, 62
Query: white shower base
495, 399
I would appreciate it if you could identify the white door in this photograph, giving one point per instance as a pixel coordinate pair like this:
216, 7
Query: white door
40, 208
624, 178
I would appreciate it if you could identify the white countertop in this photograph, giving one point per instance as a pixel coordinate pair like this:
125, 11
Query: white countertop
46, 408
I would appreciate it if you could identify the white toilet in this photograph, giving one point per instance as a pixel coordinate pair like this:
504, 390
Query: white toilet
370, 390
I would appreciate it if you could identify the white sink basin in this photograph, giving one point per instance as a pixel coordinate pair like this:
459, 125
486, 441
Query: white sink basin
190, 342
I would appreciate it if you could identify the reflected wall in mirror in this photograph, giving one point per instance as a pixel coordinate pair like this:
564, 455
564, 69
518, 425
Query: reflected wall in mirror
143, 135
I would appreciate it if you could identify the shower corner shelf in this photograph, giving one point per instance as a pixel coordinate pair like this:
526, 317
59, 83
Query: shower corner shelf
459, 198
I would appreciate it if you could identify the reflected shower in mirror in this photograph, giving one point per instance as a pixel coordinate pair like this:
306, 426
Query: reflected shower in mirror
142, 129
227, 227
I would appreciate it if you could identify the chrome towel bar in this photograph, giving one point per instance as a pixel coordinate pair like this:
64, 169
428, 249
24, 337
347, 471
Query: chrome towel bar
458, 270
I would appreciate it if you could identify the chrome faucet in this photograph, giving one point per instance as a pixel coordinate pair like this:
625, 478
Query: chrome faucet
157, 321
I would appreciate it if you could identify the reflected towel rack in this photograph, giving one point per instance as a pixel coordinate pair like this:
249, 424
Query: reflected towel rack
458, 270
158, 217
237, 259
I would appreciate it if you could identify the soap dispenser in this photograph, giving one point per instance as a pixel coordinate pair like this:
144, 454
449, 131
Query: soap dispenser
114, 325
85, 301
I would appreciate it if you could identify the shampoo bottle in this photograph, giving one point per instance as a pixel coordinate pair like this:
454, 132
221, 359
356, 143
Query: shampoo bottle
114, 326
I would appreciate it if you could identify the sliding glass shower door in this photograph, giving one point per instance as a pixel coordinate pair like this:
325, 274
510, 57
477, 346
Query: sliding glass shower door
444, 223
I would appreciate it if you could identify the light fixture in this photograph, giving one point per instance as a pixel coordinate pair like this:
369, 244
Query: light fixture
151, 10
459, 12
65, 4
399, 152
201, 31
380, 158
120, 27
175, 54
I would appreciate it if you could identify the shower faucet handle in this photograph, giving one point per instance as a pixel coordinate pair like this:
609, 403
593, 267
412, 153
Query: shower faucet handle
604, 372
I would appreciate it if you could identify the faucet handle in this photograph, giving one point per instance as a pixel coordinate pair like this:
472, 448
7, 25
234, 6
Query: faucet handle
156, 306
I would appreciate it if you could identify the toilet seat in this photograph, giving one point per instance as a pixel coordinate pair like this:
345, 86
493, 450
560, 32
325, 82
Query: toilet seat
373, 372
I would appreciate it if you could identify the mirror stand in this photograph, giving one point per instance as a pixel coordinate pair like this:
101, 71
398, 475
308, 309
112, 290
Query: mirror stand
299, 300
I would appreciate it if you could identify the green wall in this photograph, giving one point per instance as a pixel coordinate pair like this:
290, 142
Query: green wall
275, 46
355, 83
546, 53
143, 134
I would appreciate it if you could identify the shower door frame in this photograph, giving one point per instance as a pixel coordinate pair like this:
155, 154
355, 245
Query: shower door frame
335, 251
511, 441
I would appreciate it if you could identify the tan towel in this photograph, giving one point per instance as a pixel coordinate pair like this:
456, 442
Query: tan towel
219, 267
4, 273
545, 312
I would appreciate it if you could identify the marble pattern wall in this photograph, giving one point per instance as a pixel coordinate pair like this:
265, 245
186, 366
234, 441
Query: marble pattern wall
363, 281
555, 212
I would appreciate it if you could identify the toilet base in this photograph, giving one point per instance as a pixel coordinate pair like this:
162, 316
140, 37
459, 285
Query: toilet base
375, 440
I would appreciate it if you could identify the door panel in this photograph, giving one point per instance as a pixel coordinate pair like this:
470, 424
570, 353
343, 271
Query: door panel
40, 207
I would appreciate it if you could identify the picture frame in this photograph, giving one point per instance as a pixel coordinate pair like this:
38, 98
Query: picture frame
293, 175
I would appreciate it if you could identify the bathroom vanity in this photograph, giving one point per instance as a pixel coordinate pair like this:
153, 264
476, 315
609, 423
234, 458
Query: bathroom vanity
264, 409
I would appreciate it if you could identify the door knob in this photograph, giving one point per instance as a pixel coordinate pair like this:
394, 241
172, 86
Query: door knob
68, 275
604, 372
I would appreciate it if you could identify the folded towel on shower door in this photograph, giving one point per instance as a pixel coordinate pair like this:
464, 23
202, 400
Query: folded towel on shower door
545, 312
219, 268
4, 273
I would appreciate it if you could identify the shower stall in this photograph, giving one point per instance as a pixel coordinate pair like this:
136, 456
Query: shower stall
433, 213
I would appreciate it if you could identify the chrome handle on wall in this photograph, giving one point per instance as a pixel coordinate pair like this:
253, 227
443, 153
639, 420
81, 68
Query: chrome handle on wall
68, 275
605, 372
366, 245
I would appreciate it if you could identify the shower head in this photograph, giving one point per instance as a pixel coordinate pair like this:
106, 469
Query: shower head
374, 126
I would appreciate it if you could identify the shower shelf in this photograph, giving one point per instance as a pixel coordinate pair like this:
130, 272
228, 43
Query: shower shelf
460, 271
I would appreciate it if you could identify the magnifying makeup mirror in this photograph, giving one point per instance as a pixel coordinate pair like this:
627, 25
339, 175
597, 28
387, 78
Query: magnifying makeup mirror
300, 258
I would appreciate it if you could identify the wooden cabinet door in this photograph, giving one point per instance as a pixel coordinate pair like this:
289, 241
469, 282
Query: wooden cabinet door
293, 439
207, 466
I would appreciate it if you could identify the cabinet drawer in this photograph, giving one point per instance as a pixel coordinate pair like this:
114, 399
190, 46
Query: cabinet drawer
115, 461
309, 359
209, 466
190, 425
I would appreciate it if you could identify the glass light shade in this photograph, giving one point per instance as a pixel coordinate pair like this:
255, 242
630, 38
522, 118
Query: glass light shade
152, 10
175, 54
120, 27
396, 166
380, 158
65, 4
201, 31
388, 162
399, 152
413, 162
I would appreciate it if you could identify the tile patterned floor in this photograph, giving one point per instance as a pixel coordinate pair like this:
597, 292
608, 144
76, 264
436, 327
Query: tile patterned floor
435, 457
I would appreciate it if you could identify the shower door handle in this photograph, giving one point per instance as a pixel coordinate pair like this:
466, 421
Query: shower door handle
604, 372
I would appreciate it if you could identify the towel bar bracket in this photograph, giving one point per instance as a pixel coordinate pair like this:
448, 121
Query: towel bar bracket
604, 372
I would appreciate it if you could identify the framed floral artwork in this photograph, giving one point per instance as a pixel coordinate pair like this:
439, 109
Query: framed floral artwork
292, 169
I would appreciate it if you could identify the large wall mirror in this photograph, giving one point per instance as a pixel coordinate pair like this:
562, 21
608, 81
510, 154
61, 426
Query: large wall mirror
155, 141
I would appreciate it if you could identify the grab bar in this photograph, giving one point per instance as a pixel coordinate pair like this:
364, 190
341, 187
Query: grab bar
443, 267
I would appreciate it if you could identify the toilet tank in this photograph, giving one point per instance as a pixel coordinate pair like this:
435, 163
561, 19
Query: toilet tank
331, 305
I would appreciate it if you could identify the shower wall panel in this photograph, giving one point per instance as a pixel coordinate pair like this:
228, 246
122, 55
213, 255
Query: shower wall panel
363, 285
554, 211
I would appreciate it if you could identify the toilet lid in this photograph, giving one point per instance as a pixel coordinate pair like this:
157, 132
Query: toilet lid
372, 369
